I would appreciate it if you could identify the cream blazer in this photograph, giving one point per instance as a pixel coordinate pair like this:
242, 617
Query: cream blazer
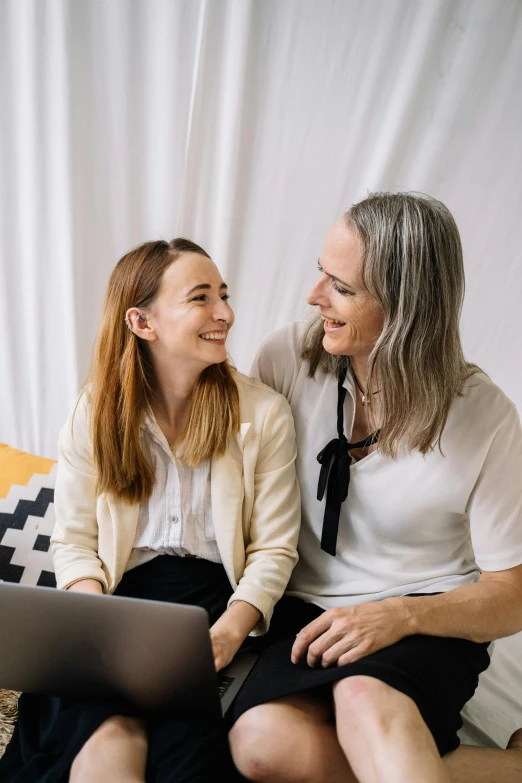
255, 505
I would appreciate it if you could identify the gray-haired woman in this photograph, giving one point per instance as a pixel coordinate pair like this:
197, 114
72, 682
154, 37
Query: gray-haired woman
411, 539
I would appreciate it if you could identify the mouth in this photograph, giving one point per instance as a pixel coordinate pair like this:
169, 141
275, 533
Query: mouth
214, 338
331, 325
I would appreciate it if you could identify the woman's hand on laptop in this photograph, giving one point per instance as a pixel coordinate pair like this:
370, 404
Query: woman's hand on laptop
87, 586
229, 632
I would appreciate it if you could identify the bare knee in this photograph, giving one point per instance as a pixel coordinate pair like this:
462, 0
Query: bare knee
253, 743
369, 701
114, 730
267, 741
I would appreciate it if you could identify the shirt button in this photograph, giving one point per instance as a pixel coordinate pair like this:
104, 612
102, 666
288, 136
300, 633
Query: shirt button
174, 518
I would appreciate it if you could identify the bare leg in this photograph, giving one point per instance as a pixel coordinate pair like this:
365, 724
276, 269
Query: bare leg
383, 734
290, 740
486, 765
116, 752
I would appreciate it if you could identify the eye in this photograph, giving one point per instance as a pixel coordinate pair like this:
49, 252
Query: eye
320, 268
200, 298
341, 291
225, 297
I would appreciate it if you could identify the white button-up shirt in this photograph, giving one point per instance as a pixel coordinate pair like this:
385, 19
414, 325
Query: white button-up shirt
414, 524
177, 518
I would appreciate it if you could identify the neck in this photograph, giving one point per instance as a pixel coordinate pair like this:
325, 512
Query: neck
360, 368
174, 387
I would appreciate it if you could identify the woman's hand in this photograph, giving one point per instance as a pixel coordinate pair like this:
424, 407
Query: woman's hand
224, 646
229, 632
347, 633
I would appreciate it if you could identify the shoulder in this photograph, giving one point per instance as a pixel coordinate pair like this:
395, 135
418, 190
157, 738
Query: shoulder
77, 428
284, 342
252, 391
479, 415
278, 361
257, 400
484, 401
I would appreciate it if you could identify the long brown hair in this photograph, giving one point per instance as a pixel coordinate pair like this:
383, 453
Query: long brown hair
121, 382
412, 265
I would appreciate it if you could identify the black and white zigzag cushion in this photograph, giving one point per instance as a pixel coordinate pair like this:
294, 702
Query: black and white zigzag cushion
26, 517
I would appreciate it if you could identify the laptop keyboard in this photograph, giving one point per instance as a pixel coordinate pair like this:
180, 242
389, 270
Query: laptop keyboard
224, 683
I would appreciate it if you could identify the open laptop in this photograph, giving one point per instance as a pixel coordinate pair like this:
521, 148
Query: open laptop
75, 645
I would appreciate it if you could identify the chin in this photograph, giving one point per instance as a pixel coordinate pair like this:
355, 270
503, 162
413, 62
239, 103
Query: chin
217, 358
335, 347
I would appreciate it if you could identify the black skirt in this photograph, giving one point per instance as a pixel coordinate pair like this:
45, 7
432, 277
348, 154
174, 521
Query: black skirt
439, 674
50, 732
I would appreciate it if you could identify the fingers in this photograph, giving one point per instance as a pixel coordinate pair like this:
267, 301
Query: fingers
331, 655
322, 646
346, 651
310, 633
356, 653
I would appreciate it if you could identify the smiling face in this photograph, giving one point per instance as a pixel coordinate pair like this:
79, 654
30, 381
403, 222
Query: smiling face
353, 319
185, 323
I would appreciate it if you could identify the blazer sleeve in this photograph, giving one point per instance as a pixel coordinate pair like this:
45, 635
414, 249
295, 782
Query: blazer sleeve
271, 552
74, 541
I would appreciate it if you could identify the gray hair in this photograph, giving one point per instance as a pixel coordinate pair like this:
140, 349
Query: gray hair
412, 265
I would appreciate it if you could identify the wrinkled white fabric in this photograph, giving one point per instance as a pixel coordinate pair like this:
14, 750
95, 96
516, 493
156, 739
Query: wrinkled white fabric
414, 524
250, 127
177, 518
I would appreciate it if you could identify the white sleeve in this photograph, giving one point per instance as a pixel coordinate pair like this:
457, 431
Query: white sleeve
495, 505
278, 360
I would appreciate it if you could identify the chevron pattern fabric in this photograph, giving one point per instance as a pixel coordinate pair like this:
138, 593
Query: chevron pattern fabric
26, 523
26, 517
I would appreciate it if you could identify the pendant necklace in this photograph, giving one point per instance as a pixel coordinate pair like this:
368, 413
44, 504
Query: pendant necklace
365, 397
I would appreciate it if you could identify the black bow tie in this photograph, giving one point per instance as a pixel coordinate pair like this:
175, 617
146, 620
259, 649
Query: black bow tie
334, 476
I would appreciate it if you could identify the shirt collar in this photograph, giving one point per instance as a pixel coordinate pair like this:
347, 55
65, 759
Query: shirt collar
151, 426
349, 384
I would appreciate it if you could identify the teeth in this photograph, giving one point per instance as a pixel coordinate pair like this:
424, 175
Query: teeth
213, 335
334, 323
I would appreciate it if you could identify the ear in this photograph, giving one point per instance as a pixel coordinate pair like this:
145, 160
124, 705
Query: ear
138, 323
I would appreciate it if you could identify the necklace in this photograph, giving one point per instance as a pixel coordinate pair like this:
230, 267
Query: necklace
365, 397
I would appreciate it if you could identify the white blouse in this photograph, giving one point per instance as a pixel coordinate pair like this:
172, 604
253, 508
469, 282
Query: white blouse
412, 524
177, 518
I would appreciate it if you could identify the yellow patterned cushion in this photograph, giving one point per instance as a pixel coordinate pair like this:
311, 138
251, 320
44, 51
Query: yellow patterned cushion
17, 467
26, 517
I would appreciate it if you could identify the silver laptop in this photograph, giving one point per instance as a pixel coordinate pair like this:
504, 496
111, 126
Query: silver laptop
155, 655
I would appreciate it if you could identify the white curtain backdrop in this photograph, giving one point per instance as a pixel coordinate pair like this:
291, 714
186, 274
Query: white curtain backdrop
249, 126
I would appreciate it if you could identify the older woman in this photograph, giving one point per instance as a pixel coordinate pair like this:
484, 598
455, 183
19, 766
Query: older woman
410, 462
176, 482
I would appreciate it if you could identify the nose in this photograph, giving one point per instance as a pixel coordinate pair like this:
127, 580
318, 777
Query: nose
318, 293
222, 312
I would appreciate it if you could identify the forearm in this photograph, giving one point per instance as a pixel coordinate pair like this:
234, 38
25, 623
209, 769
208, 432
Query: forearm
238, 620
87, 586
480, 612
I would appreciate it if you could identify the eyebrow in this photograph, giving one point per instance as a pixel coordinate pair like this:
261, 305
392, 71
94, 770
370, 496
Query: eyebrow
333, 277
204, 287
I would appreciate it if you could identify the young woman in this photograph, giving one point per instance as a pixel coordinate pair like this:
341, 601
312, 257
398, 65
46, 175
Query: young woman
410, 463
176, 482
